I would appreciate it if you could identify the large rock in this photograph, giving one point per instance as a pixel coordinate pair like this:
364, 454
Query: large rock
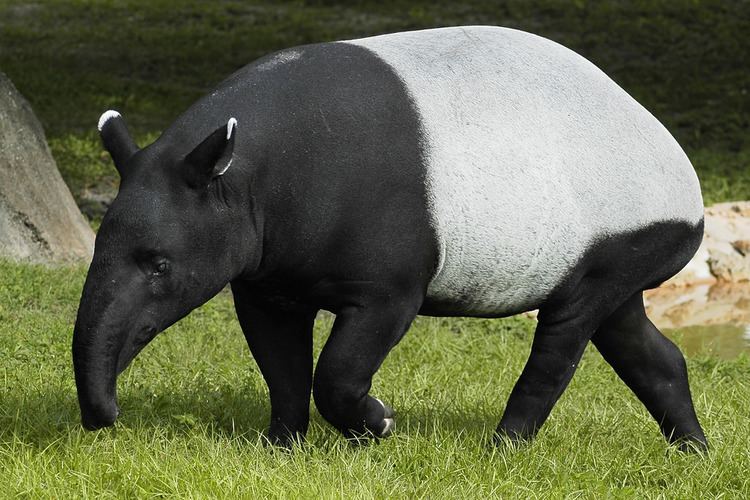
39, 221
717, 304
728, 237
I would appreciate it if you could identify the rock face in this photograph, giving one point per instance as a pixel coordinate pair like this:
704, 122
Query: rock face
720, 303
728, 240
39, 221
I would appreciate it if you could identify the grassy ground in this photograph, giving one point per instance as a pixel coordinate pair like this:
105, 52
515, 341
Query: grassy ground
684, 60
194, 405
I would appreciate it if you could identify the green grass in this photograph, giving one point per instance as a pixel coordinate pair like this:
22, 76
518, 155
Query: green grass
194, 404
724, 175
194, 407
685, 60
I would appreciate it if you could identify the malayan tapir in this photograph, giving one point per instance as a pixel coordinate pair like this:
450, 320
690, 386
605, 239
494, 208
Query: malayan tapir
468, 171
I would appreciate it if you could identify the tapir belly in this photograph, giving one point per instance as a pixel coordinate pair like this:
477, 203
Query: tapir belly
532, 154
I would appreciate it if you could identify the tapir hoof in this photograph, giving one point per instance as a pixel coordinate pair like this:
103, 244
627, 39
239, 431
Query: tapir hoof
374, 429
285, 439
691, 444
514, 438
389, 421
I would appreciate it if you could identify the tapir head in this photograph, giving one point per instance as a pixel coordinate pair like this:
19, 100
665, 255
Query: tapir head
175, 235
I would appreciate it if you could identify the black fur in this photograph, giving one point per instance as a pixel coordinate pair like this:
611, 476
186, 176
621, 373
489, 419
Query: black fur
602, 301
324, 207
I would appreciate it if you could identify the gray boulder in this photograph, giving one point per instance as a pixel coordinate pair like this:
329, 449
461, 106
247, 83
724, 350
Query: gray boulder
39, 221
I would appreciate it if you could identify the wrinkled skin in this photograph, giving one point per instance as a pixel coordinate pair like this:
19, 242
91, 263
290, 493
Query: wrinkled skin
170, 241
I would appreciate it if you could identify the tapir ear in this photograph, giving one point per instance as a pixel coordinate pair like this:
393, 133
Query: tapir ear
212, 157
116, 139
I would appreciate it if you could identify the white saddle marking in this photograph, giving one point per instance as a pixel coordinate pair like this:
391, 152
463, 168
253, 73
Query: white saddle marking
532, 153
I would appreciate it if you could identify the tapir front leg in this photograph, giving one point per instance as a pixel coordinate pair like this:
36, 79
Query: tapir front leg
281, 343
361, 337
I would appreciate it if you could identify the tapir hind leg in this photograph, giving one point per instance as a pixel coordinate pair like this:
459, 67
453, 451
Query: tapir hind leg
281, 343
561, 336
361, 338
653, 368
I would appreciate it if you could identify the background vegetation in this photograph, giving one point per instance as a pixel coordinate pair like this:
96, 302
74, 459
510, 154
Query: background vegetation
685, 60
194, 404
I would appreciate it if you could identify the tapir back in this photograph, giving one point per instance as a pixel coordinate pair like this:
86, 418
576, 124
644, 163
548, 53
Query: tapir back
532, 155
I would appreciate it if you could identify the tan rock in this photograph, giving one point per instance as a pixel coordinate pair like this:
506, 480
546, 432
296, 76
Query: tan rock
721, 303
39, 220
742, 246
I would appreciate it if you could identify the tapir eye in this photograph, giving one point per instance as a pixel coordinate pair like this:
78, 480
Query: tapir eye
151, 263
160, 268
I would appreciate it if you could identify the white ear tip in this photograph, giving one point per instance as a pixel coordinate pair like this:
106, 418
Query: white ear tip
231, 124
106, 116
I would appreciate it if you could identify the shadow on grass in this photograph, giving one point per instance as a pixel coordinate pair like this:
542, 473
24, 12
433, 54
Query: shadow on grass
228, 411
41, 419
423, 423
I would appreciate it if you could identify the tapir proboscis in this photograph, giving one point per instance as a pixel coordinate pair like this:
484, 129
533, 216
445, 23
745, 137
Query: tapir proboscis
471, 171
